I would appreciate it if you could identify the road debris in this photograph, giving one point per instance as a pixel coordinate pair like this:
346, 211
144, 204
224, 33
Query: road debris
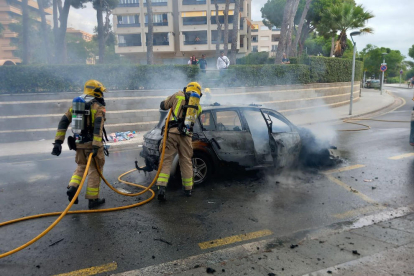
293, 246
56, 242
373, 187
368, 180
209, 270
164, 241
355, 252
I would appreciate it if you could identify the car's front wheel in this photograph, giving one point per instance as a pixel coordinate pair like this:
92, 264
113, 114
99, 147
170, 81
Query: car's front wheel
202, 168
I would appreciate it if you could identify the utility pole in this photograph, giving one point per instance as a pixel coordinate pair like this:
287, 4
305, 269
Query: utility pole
353, 72
383, 72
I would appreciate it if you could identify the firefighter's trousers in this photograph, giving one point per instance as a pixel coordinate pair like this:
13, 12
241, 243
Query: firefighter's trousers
181, 144
81, 158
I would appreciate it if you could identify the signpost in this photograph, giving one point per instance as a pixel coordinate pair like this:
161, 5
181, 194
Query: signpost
383, 68
401, 72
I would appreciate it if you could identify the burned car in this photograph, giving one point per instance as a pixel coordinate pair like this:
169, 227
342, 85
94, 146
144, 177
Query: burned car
250, 137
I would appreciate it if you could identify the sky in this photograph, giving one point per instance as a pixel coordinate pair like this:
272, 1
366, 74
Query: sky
393, 22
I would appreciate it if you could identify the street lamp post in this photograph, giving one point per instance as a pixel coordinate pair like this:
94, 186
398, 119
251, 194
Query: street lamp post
353, 72
383, 73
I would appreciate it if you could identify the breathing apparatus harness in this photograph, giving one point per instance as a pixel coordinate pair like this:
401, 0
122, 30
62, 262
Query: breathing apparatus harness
185, 124
81, 115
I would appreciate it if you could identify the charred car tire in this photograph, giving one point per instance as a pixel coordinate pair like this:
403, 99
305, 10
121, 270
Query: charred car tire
202, 167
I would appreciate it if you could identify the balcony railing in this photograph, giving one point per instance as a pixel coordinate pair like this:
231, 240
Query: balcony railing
128, 25
255, 30
202, 22
157, 3
128, 5
221, 1
201, 42
194, 2
161, 43
129, 44
158, 24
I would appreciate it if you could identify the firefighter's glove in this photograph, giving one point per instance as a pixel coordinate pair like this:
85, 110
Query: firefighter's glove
57, 148
95, 151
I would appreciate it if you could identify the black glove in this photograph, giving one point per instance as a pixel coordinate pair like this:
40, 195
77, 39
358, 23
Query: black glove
95, 151
57, 148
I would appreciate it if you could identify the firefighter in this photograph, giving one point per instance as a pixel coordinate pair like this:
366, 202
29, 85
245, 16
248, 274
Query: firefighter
88, 112
185, 109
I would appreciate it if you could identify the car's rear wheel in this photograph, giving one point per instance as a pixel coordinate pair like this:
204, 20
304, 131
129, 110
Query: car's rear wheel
202, 168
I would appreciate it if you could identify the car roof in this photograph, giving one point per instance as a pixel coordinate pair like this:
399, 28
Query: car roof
215, 107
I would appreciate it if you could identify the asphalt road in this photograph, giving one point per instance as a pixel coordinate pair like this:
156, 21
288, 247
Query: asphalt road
233, 204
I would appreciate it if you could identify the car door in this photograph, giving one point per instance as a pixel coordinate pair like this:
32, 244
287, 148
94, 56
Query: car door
228, 136
284, 140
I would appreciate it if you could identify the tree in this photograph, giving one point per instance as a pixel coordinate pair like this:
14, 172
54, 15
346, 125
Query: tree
150, 38
290, 4
1, 29
343, 17
411, 52
25, 11
226, 27
218, 29
103, 6
300, 27
43, 4
372, 56
61, 23
293, 12
235, 33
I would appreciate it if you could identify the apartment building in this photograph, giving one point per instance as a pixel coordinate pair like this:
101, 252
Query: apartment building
80, 34
182, 28
264, 39
11, 12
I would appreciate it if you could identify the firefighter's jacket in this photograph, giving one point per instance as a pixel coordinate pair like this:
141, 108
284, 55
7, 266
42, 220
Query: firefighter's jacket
176, 102
94, 125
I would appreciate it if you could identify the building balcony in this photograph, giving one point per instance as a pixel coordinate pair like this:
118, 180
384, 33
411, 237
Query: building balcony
199, 42
157, 3
128, 5
8, 47
10, 34
11, 9
221, 1
157, 24
128, 25
128, 49
194, 2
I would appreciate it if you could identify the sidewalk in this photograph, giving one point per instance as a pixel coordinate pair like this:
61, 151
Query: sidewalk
384, 247
370, 101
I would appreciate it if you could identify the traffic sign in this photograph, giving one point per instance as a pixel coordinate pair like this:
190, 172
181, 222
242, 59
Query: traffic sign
401, 72
383, 68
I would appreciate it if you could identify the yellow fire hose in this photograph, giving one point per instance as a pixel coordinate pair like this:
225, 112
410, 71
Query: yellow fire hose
66, 211
366, 127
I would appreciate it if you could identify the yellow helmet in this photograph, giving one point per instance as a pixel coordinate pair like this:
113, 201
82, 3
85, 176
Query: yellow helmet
207, 90
194, 87
94, 88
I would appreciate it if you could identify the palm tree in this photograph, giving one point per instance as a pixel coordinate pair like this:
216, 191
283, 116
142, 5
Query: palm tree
343, 17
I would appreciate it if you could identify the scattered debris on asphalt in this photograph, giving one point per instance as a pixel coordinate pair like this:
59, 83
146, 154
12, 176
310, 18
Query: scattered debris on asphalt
164, 241
355, 252
121, 136
223, 270
38, 266
271, 274
354, 191
196, 266
373, 187
293, 246
155, 228
329, 272
210, 270
56, 242
368, 180
153, 256
254, 219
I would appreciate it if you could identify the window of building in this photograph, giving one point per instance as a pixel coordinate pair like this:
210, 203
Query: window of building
215, 33
193, 38
194, 18
129, 40
264, 49
255, 28
128, 3
255, 49
160, 39
274, 48
194, 2
159, 19
157, 2
264, 38
128, 20
254, 38
221, 17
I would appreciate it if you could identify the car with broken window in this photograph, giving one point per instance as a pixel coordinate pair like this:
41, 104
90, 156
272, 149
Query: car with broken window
251, 137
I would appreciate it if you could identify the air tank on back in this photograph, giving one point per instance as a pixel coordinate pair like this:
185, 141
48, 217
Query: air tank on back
78, 115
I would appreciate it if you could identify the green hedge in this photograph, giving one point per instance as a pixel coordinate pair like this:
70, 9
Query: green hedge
21, 79
263, 75
17, 79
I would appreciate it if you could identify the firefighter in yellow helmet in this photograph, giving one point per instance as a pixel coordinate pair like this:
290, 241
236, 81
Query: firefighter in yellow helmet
185, 109
87, 116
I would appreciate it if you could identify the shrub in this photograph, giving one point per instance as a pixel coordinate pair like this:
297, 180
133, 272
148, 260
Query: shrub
324, 70
254, 59
264, 75
16, 79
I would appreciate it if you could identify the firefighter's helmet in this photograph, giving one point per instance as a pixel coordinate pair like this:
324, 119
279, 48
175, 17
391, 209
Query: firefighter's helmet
207, 90
194, 87
94, 88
